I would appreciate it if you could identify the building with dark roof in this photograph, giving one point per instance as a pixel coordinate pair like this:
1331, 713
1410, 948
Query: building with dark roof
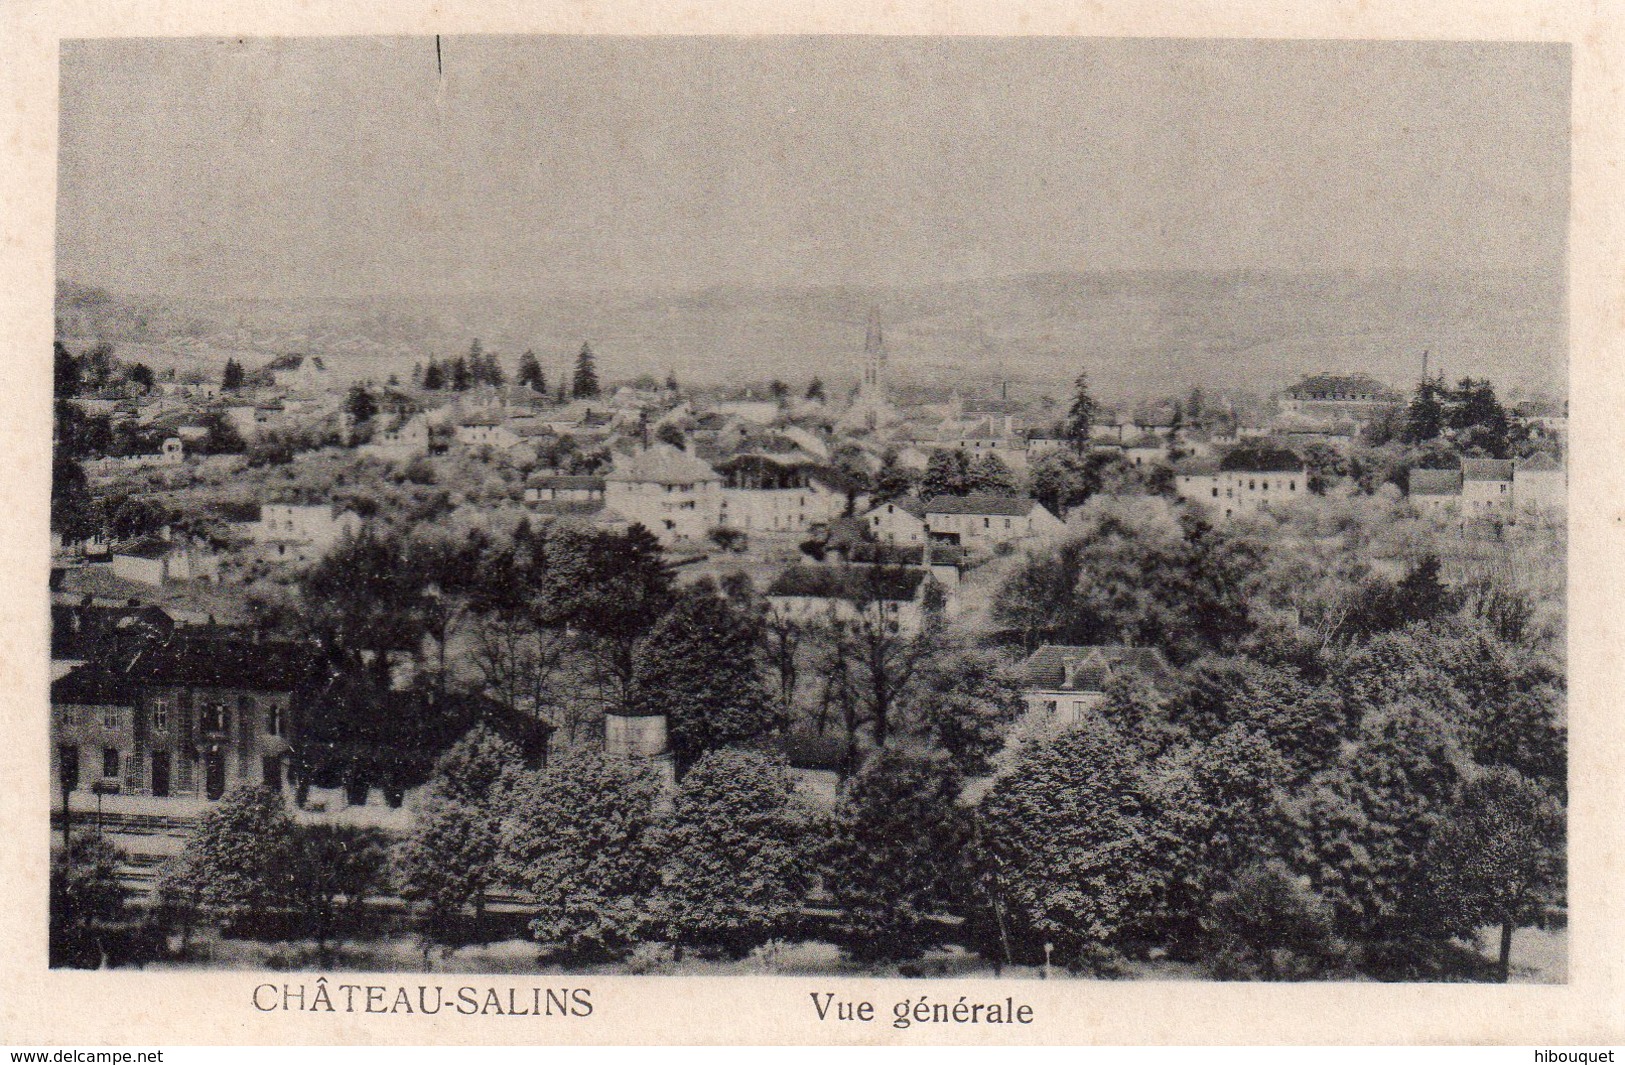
988, 519
1231, 492
782, 489
900, 595
178, 716
1064, 683
1488, 487
1357, 397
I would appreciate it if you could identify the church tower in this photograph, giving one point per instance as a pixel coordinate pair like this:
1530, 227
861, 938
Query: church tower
874, 367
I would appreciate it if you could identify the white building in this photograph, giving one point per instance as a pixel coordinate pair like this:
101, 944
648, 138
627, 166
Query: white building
895, 596
1231, 492
780, 492
672, 494
157, 561
294, 532
402, 439
1486, 485
898, 521
1540, 483
988, 519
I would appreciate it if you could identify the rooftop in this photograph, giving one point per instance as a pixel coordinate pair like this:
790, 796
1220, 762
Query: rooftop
854, 583
1061, 667
980, 503
1336, 387
1486, 469
1435, 482
662, 464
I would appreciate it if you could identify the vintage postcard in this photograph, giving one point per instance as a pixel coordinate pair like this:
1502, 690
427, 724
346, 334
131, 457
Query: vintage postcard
805, 529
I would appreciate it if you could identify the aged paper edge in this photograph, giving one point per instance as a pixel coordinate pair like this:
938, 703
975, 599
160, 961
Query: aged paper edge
41, 1006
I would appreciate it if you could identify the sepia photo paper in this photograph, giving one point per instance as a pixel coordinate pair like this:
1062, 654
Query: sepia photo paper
582, 524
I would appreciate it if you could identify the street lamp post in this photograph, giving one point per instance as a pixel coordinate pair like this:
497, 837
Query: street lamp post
101, 788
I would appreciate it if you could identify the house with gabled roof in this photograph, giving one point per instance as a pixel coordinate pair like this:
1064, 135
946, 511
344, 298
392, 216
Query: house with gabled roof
988, 519
178, 716
671, 493
1486, 485
1065, 683
900, 596
781, 490
1540, 483
1434, 491
898, 521
158, 560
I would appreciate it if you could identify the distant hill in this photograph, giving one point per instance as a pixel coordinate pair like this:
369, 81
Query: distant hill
1135, 333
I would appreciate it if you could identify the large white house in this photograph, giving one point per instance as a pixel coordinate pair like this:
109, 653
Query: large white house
671, 493
1240, 491
780, 492
988, 519
1490, 487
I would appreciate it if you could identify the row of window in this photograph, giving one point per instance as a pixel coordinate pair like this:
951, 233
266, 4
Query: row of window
213, 717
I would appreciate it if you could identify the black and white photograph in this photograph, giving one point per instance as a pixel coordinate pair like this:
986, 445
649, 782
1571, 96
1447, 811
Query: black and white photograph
999, 508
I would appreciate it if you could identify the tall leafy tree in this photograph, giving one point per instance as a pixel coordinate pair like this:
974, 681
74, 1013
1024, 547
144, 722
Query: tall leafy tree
365, 600
434, 376
1366, 824
231, 379
947, 473
989, 474
530, 374
74, 514
1079, 415
359, 403
332, 869
700, 667
734, 869
459, 376
1498, 858
815, 389
584, 385
450, 860
87, 898
1425, 416
611, 587
580, 842
239, 856
892, 854
966, 702
1214, 808
67, 376
1063, 849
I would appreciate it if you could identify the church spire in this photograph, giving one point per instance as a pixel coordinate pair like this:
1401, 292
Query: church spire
874, 350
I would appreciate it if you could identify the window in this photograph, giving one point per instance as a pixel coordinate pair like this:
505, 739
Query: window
273, 720
214, 717
1252, 486
987, 523
110, 718
69, 716
160, 716
110, 762
1292, 486
1215, 491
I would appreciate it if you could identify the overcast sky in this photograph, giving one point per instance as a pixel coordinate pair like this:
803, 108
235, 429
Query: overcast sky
349, 166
